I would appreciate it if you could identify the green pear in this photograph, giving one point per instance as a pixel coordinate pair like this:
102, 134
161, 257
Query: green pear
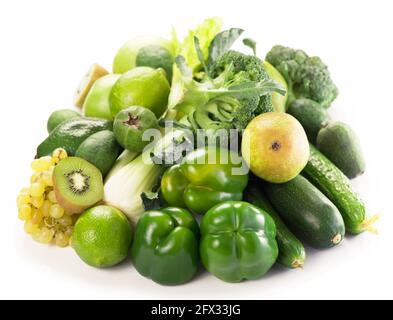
279, 101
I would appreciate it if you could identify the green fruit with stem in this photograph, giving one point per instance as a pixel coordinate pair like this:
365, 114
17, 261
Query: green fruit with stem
129, 126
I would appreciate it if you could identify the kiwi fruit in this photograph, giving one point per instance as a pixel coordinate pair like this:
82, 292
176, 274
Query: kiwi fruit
77, 184
94, 73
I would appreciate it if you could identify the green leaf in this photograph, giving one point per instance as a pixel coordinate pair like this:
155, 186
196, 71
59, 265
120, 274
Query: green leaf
251, 44
221, 43
247, 89
205, 32
185, 70
200, 54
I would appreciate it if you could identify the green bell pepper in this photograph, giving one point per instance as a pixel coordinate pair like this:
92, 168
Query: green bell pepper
238, 241
165, 247
206, 177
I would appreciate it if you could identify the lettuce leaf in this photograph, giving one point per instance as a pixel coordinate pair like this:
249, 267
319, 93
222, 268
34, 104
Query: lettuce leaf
205, 32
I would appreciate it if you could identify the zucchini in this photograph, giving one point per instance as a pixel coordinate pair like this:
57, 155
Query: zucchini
309, 214
291, 251
336, 186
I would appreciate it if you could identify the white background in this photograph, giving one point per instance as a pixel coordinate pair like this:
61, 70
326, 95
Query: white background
45, 48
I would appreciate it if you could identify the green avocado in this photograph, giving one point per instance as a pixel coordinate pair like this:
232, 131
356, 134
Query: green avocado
70, 134
339, 143
100, 149
311, 115
60, 116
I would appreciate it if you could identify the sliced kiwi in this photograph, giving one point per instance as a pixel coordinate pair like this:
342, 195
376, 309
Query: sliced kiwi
95, 72
78, 184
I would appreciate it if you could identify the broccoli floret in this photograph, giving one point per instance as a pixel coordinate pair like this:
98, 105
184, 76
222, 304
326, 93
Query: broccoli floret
307, 77
234, 90
244, 68
226, 113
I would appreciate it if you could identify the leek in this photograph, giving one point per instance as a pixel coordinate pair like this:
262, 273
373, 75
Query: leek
127, 181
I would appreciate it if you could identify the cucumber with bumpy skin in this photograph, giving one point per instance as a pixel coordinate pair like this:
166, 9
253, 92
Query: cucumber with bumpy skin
307, 212
336, 186
291, 251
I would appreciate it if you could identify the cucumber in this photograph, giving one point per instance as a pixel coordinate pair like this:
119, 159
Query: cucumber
291, 251
339, 143
336, 186
311, 115
309, 214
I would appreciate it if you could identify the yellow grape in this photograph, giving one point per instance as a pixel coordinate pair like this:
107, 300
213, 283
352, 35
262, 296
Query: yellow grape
23, 199
56, 211
50, 222
36, 165
35, 177
47, 177
61, 239
52, 197
36, 217
69, 231
65, 220
30, 227
37, 189
37, 201
59, 154
46, 235
45, 208
24, 212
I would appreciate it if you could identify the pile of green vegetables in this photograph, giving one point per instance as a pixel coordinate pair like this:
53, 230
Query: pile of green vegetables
121, 192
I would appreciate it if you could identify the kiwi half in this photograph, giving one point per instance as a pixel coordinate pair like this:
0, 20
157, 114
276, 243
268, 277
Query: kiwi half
77, 184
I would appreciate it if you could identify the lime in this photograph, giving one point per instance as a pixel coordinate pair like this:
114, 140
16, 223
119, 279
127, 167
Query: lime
97, 101
155, 56
102, 236
133, 50
141, 86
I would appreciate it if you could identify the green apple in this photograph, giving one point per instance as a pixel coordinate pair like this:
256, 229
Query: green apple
279, 101
97, 101
93, 74
141, 86
149, 51
275, 147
